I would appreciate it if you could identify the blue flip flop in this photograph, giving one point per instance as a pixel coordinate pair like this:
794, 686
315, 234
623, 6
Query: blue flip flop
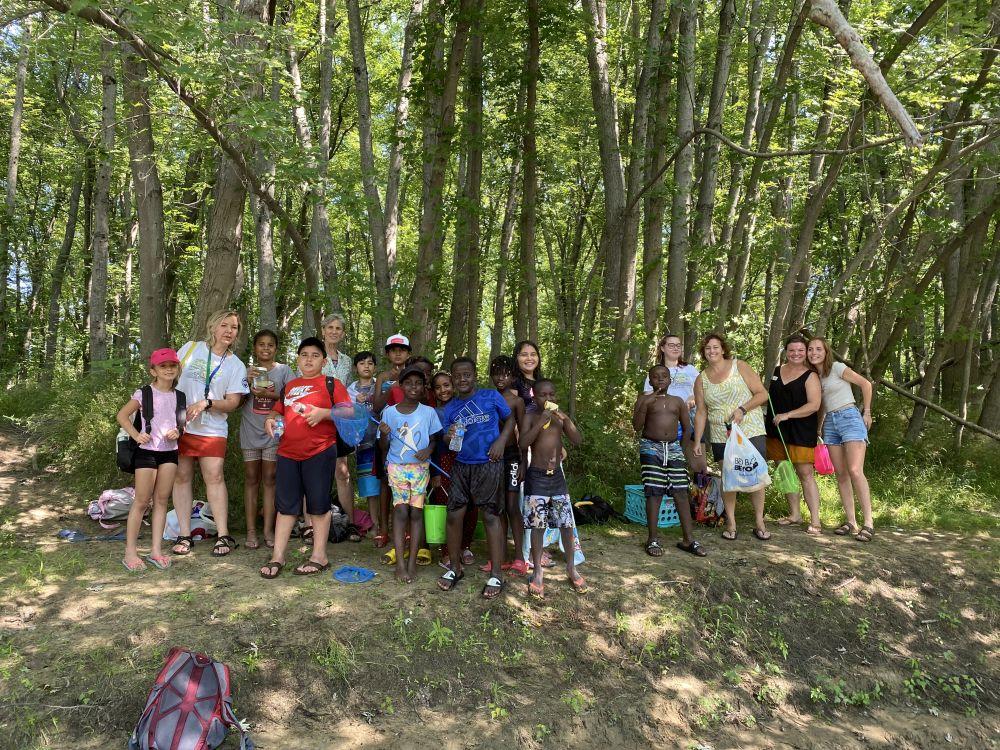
352, 574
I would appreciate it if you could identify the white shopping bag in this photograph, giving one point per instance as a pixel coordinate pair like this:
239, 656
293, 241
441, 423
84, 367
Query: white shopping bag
743, 468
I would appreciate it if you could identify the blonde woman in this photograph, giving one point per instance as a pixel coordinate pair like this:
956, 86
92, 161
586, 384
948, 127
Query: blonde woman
728, 392
214, 380
845, 431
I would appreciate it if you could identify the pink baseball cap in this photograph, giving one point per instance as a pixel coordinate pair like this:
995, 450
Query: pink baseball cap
162, 357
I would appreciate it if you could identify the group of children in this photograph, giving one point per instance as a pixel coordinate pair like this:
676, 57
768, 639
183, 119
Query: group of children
434, 438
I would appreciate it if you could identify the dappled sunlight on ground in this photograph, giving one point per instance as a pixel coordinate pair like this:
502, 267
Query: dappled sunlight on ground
799, 642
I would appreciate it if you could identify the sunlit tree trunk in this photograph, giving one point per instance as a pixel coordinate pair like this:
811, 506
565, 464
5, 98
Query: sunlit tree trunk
58, 277
526, 323
148, 202
425, 294
13, 160
102, 209
225, 226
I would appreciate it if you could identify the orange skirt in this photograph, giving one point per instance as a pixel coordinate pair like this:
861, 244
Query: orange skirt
201, 446
797, 454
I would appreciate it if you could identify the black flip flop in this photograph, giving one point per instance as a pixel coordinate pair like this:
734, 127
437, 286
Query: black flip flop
654, 549
274, 570
694, 548
759, 534
316, 568
490, 584
450, 579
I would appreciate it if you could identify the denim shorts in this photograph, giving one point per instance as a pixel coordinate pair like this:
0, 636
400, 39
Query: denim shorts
844, 426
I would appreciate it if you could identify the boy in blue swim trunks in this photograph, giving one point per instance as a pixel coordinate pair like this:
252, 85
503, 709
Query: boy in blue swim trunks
656, 417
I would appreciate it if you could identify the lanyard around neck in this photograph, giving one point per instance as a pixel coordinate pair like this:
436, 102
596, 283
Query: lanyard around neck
208, 364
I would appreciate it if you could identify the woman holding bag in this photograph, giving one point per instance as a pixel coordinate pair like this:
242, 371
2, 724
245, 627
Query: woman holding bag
792, 424
728, 392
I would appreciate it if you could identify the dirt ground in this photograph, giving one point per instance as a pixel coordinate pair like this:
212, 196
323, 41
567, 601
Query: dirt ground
796, 643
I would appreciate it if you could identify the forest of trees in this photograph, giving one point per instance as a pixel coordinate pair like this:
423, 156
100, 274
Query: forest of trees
588, 174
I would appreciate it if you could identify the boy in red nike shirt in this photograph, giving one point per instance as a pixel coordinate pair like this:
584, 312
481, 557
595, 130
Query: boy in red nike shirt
307, 455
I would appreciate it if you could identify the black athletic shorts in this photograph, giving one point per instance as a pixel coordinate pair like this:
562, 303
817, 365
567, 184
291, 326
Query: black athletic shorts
540, 482
145, 459
511, 467
343, 449
479, 484
312, 478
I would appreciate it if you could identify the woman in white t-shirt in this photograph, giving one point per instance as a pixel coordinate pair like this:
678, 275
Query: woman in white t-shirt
670, 354
845, 431
214, 380
338, 365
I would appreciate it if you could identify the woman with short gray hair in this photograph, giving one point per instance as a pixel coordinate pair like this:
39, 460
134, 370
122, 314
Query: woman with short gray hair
338, 365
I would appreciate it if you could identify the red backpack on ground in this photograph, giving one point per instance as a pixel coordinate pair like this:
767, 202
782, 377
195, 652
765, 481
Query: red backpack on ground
189, 706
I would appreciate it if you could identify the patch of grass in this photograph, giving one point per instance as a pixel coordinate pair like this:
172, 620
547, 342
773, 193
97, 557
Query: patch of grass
336, 660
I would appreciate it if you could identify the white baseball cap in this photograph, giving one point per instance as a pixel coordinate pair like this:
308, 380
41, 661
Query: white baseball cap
398, 339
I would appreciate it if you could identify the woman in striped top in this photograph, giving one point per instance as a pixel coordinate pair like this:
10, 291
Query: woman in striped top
728, 392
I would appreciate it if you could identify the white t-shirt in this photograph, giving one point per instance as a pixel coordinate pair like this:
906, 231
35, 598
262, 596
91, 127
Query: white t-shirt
682, 379
230, 377
837, 392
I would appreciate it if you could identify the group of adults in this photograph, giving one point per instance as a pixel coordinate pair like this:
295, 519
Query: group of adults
810, 399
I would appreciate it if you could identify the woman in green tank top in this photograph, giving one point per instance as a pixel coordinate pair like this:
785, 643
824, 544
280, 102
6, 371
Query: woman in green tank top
726, 392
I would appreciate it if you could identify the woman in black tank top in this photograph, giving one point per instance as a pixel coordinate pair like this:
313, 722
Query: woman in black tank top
796, 395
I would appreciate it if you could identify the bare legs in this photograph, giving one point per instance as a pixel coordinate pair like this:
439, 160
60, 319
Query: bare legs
151, 486
807, 477
757, 498
257, 473
345, 495
849, 463
406, 517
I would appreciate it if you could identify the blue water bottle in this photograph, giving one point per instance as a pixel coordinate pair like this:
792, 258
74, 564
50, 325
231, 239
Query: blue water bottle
456, 440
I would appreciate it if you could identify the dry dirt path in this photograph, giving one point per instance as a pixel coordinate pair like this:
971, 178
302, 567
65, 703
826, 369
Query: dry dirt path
798, 643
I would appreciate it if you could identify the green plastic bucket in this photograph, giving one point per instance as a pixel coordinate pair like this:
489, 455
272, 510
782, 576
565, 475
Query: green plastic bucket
435, 523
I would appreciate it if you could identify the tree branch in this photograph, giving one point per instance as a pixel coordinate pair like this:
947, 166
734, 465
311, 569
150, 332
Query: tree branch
827, 13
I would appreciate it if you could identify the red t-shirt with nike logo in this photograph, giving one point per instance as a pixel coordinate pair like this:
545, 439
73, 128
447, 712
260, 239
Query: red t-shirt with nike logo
301, 441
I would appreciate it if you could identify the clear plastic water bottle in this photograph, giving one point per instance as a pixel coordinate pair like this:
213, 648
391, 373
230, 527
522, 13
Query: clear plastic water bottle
279, 427
456, 440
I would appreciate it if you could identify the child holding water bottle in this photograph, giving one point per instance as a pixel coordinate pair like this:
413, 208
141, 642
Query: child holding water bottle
155, 458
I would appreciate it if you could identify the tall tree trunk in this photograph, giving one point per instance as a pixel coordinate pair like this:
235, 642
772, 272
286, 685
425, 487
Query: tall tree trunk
606, 115
466, 254
741, 245
148, 201
10, 194
264, 227
424, 297
310, 259
58, 276
319, 235
655, 198
758, 42
703, 235
526, 323
645, 91
102, 209
680, 207
382, 316
503, 253
225, 226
